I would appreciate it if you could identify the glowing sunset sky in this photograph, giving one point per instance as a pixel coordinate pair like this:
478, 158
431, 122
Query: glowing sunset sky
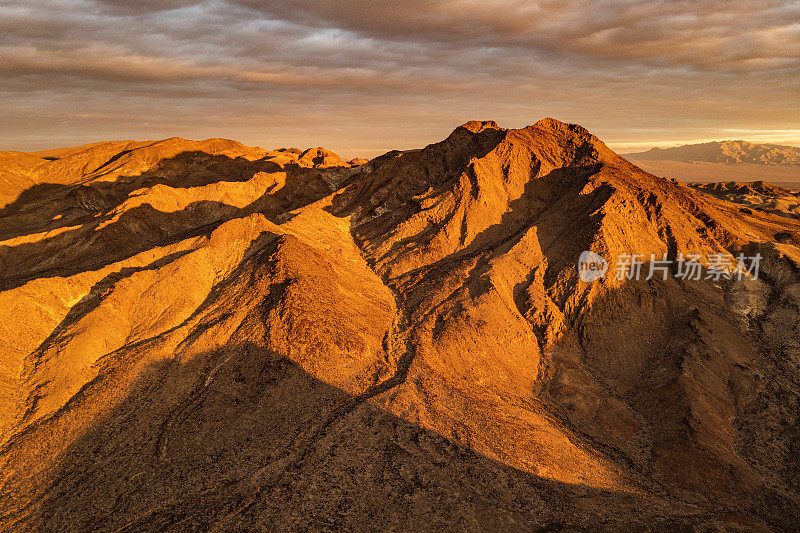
361, 77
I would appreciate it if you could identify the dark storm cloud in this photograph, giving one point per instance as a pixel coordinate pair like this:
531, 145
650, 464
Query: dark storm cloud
624, 66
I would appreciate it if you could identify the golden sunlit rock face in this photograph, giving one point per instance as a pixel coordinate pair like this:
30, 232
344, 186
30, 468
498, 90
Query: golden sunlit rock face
208, 336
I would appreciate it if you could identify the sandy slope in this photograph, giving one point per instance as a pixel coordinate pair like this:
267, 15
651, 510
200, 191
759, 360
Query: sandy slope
203, 335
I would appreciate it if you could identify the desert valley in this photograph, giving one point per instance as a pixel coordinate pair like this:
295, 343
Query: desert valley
724, 161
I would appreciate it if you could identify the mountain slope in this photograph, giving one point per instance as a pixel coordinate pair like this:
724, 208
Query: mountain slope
108, 161
280, 340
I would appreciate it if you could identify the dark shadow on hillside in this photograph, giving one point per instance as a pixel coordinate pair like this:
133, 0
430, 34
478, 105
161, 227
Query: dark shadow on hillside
35, 208
396, 177
89, 248
542, 196
246, 451
141, 228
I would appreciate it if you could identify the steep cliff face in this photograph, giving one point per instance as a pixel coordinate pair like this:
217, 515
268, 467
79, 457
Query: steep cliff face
278, 339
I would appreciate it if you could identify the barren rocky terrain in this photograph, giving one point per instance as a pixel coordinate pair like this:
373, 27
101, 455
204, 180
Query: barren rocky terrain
759, 195
204, 336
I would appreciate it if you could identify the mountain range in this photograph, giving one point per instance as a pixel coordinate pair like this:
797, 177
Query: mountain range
724, 161
727, 152
200, 335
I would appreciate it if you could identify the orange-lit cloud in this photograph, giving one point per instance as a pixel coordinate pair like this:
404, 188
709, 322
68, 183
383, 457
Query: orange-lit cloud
363, 76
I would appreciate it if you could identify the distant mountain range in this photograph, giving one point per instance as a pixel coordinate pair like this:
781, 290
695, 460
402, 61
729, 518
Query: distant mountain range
727, 152
724, 161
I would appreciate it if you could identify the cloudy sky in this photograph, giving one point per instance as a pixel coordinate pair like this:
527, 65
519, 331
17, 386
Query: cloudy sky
361, 77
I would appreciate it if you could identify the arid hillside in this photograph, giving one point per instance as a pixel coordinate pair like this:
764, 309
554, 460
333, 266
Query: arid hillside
206, 336
758, 195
